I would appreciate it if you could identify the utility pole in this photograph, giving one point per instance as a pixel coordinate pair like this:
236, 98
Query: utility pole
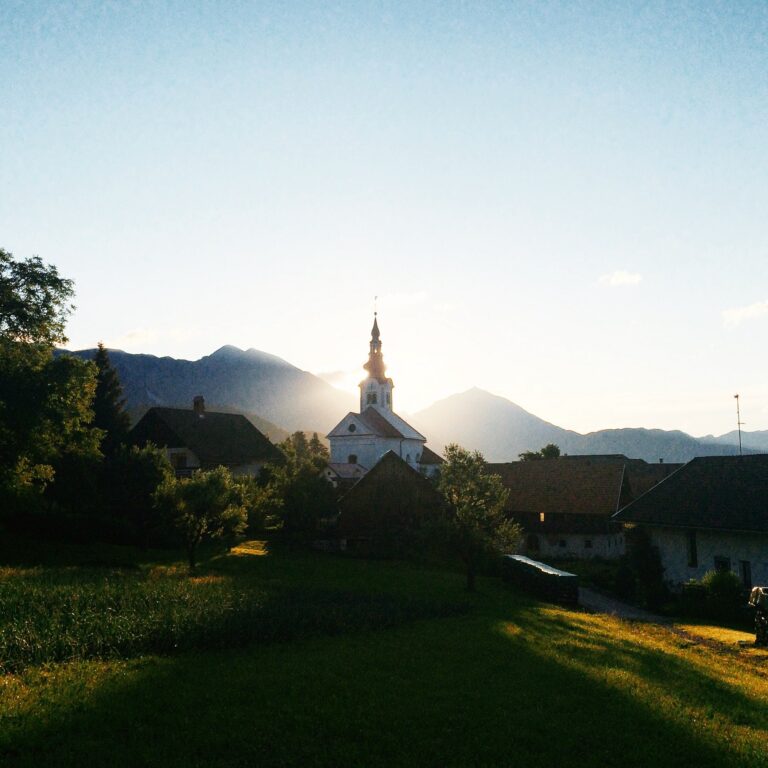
739, 422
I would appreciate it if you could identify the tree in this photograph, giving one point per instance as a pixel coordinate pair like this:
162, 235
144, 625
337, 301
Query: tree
44, 401
131, 478
477, 524
549, 451
203, 507
45, 414
299, 494
299, 450
109, 412
34, 301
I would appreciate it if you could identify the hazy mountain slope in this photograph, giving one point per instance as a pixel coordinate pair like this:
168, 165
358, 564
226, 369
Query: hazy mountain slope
755, 441
494, 425
502, 430
250, 382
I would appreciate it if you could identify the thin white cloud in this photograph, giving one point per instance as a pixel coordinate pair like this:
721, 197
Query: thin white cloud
737, 315
620, 277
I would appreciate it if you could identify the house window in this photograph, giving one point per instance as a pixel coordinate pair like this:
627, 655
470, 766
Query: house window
533, 543
351, 427
541, 517
389, 399
561, 543
693, 552
745, 567
722, 563
371, 399
587, 543
352, 458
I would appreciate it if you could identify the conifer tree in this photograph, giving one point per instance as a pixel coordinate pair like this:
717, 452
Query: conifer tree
109, 404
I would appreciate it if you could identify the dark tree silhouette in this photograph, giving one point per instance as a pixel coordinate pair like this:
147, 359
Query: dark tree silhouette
109, 405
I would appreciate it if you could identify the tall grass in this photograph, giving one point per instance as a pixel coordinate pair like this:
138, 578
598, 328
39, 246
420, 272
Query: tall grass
63, 615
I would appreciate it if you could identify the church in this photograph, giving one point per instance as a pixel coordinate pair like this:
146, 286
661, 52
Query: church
361, 439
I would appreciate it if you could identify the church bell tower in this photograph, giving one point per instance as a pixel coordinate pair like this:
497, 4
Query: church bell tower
376, 389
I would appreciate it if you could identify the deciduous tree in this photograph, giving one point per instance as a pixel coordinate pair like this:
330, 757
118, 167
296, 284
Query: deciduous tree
549, 451
477, 523
204, 506
45, 402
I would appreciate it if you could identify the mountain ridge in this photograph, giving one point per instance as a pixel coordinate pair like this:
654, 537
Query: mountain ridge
280, 398
501, 430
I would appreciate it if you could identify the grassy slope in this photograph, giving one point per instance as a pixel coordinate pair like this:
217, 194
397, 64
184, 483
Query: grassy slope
510, 682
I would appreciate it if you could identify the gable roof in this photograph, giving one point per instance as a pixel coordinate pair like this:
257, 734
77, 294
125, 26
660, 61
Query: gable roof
428, 456
380, 426
215, 438
557, 486
377, 422
391, 466
716, 492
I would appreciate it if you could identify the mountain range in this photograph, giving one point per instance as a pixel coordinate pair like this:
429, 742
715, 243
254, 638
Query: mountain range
501, 430
280, 398
277, 396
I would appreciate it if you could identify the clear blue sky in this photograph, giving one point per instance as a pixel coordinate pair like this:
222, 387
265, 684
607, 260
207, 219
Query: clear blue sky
562, 203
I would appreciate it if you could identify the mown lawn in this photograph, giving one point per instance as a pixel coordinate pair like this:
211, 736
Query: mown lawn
329, 661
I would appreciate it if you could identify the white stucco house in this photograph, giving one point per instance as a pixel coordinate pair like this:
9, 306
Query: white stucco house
359, 440
710, 514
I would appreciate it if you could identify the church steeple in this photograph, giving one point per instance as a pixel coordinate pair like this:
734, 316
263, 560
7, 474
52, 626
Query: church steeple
376, 390
375, 365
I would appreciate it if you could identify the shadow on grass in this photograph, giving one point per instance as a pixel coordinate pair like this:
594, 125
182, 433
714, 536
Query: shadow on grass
511, 684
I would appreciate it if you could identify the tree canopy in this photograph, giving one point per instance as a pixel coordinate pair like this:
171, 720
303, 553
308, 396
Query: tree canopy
45, 401
35, 301
549, 451
206, 506
478, 524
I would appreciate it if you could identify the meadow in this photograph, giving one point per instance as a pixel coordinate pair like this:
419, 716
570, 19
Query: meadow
269, 656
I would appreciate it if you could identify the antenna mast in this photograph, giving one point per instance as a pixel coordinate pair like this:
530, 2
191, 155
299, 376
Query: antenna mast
739, 422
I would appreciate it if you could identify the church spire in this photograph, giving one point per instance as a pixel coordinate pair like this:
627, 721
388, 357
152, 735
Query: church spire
375, 365
376, 390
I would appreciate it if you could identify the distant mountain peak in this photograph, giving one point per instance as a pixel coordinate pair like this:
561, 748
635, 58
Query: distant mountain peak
230, 353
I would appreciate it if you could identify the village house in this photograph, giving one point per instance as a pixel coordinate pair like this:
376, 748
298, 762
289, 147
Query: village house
359, 440
565, 504
388, 507
711, 514
199, 439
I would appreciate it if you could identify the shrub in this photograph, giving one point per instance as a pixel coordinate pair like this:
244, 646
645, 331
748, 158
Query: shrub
724, 594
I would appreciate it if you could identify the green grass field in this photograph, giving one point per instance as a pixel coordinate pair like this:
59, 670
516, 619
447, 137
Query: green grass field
278, 658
